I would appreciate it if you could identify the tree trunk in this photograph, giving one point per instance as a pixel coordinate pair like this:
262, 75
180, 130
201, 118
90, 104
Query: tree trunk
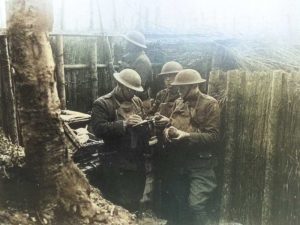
8, 103
57, 179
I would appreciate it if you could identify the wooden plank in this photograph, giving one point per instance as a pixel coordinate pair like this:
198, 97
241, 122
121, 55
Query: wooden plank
285, 200
276, 93
232, 89
81, 66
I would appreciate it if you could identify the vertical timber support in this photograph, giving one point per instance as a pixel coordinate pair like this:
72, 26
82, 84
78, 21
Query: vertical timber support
60, 71
93, 68
233, 84
9, 118
61, 79
276, 93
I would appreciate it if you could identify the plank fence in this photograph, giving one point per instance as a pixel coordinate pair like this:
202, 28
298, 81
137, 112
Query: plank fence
259, 154
86, 71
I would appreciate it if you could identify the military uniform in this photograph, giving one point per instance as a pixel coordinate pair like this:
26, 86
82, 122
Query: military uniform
123, 173
164, 102
190, 175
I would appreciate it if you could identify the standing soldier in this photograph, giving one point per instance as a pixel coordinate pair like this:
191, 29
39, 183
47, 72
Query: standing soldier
165, 98
192, 137
113, 116
137, 60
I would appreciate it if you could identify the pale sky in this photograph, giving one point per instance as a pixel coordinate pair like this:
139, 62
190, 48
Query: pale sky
245, 18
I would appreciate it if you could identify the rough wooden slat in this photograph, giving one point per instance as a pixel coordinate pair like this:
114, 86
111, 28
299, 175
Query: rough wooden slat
285, 202
82, 66
233, 83
272, 134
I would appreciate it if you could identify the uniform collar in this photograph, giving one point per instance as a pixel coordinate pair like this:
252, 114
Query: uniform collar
194, 99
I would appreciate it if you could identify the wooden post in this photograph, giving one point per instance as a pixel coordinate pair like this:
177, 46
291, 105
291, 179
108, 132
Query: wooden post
8, 100
276, 93
93, 68
233, 86
93, 52
60, 71
74, 89
1, 98
61, 80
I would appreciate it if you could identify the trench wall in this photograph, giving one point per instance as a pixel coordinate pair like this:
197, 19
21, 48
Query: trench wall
259, 169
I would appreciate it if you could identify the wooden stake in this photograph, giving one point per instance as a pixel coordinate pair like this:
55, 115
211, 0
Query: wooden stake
8, 103
93, 68
60, 71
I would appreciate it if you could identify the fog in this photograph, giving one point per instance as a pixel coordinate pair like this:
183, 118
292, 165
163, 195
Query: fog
231, 18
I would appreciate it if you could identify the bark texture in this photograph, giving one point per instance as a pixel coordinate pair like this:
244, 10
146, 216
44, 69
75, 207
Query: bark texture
58, 182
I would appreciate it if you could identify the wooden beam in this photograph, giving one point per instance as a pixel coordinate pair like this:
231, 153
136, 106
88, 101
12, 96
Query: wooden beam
3, 32
81, 66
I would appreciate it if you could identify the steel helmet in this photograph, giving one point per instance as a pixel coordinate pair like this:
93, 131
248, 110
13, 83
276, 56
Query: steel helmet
136, 38
171, 68
188, 76
130, 79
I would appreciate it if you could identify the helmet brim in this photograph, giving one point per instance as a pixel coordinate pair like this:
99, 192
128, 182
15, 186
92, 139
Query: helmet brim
188, 83
169, 73
134, 42
117, 77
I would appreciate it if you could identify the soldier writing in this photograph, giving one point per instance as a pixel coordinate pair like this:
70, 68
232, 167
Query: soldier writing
113, 116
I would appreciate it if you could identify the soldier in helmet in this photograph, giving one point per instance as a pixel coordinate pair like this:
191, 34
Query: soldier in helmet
191, 138
165, 98
113, 116
137, 60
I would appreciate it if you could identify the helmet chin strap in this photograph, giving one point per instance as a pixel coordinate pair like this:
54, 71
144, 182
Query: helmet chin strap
192, 90
120, 93
126, 98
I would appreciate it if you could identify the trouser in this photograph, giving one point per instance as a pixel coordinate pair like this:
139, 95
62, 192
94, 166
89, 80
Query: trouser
147, 199
188, 194
123, 187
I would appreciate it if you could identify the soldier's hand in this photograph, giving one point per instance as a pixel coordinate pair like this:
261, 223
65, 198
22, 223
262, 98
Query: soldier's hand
172, 134
180, 135
133, 120
160, 120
